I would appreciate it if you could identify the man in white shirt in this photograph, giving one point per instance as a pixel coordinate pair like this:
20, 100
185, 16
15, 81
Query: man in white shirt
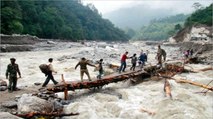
49, 74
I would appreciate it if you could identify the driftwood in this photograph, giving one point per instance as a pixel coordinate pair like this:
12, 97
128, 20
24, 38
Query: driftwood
167, 89
148, 111
198, 70
53, 114
194, 83
192, 60
203, 91
179, 80
65, 87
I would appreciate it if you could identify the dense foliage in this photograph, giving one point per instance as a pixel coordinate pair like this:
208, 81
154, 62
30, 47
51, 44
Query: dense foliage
201, 16
65, 19
161, 29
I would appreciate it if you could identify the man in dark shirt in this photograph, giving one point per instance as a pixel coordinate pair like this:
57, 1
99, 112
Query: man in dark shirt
83, 68
142, 59
100, 69
161, 53
12, 70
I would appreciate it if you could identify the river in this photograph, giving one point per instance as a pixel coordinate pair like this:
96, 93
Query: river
122, 100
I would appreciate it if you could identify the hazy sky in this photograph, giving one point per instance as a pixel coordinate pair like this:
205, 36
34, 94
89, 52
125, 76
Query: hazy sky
105, 6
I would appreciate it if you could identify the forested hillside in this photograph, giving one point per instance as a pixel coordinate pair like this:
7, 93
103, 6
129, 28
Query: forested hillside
200, 16
161, 29
67, 19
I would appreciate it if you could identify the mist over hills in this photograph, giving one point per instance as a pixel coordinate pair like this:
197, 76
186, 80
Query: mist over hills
136, 16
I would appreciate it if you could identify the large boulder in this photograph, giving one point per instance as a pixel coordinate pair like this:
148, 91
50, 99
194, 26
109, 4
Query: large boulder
3, 88
3, 85
7, 115
9, 104
198, 33
28, 103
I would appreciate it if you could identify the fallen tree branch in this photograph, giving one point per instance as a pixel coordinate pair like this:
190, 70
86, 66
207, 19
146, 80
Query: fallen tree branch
167, 89
204, 92
199, 70
190, 82
148, 111
194, 83
54, 114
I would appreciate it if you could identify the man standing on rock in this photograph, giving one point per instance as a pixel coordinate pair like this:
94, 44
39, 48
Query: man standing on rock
49, 74
83, 68
12, 70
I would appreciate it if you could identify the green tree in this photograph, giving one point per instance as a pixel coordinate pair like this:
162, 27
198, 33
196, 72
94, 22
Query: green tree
10, 17
200, 16
66, 19
178, 27
16, 27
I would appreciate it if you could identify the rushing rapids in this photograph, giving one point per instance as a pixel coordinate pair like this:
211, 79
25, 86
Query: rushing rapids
122, 99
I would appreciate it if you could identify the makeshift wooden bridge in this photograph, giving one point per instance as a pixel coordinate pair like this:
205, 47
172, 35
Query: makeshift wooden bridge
148, 71
166, 72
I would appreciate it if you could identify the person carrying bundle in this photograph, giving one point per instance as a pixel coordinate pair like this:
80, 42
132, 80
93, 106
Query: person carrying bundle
47, 70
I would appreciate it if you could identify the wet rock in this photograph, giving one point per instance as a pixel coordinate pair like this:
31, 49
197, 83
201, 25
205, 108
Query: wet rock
57, 105
16, 48
9, 104
3, 88
17, 97
28, 103
51, 42
65, 102
3, 83
64, 57
7, 115
37, 83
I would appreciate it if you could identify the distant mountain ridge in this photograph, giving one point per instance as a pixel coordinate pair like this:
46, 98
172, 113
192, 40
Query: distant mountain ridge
136, 16
161, 29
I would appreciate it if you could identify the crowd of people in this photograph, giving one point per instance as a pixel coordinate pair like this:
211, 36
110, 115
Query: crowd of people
13, 68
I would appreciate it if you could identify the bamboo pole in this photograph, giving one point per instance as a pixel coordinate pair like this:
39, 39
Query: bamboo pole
179, 80
199, 70
54, 114
167, 89
194, 83
65, 88
148, 111
204, 92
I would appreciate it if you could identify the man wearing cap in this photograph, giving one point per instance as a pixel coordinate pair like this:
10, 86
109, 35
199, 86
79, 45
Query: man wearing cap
12, 70
161, 53
83, 68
